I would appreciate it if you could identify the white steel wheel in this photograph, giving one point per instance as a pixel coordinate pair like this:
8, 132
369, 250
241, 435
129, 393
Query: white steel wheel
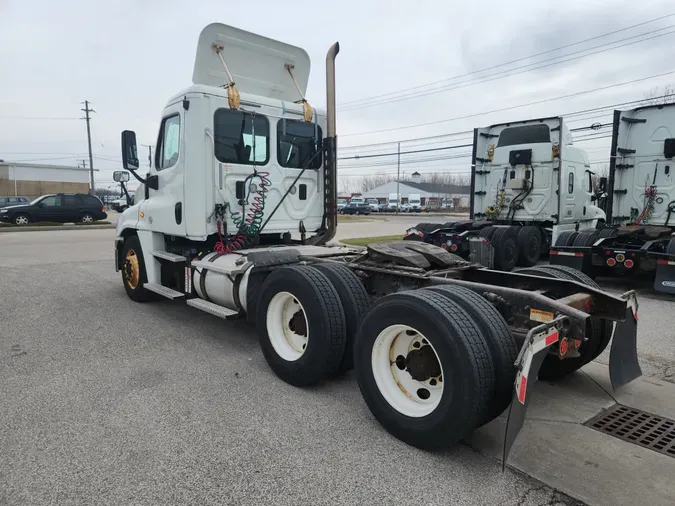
287, 326
407, 371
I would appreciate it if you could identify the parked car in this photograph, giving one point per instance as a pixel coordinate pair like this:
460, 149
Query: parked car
357, 208
341, 203
61, 208
13, 201
374, 205
119, 205
404, 208
382, 208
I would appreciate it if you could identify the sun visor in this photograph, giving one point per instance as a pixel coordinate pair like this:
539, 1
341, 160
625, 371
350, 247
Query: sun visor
257, 64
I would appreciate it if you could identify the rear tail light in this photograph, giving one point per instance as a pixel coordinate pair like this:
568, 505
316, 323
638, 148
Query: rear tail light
620, 257
102, 209
629, 264
453, 247
611, 262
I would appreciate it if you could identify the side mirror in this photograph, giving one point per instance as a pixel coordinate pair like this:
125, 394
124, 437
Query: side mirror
602, 185
120, 176
129, 150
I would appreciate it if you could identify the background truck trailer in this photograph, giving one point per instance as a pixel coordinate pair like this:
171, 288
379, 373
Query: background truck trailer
236, 226
529, 183
639, 199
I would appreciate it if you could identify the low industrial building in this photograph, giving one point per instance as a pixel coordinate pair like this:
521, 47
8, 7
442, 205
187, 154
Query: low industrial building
430, 193
32, 180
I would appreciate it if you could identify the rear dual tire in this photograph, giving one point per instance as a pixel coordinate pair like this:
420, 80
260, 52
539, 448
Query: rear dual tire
598, 331
423, 368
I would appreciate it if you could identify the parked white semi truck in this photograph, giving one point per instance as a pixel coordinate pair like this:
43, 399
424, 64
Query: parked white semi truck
639, 199
238, 209
529, 183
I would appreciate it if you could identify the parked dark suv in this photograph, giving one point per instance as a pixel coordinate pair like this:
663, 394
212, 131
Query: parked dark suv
61, 208
13, 201
355, 208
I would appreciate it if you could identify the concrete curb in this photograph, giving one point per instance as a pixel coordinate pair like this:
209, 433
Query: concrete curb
64, 227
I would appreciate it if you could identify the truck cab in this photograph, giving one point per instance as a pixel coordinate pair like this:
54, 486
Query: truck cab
234, 162
531, 172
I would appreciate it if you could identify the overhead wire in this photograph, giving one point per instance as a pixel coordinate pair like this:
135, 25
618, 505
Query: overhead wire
510, 72
607, 34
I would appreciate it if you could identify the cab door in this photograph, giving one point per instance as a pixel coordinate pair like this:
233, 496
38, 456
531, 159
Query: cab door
163, 211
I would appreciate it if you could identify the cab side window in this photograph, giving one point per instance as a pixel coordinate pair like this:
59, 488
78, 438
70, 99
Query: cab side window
168, 145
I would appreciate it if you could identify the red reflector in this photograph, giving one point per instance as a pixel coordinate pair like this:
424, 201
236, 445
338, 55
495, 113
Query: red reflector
579, 254
564, 346
632, 254
662, 262
444, 246
607, 252
628, 264
485, 242
551, 338
522, 390
611, 262
553, 252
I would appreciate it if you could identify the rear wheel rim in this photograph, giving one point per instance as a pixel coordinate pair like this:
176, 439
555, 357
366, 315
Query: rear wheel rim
87, 218
287, 326
407, 371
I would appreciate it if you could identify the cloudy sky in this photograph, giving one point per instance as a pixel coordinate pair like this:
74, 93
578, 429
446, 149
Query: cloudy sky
129, 56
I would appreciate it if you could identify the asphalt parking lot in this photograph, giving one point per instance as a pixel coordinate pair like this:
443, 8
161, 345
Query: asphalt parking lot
106, 401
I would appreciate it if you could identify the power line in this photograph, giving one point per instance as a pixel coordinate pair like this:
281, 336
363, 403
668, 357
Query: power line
35, 117
510, 108
510, 72
405, 152
510, 62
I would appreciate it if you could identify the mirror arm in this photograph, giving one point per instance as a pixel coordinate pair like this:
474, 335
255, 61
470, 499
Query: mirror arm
139, 178
126, 193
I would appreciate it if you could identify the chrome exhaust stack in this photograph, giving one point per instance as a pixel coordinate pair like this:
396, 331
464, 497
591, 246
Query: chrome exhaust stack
330, 151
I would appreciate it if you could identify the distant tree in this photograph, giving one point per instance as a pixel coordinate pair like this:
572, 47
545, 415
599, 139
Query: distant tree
660, 95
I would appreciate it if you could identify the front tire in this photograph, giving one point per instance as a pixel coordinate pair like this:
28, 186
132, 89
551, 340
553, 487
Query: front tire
133, 270
21, 220
301, 325
423, 368
87, 218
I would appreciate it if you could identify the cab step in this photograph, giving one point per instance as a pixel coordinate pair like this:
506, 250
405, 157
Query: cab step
211, 308
171, 257
163, 291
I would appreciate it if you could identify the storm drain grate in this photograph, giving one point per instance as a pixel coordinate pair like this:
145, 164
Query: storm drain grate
636, 426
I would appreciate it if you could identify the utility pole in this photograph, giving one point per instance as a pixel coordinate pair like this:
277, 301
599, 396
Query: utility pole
149, 153
398, 177
88, 110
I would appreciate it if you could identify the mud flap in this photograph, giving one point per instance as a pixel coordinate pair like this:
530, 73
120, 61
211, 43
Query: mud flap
665, 276
623, 360
568, 258
529, 361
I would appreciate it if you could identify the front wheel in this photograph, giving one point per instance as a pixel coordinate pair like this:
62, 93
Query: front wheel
133, 270
87, 218
21, 219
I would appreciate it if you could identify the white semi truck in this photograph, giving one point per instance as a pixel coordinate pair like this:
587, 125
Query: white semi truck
639, 199
529, 183
234, 220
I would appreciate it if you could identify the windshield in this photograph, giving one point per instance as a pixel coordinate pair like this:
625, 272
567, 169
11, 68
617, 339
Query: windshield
414, 201
528, 134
